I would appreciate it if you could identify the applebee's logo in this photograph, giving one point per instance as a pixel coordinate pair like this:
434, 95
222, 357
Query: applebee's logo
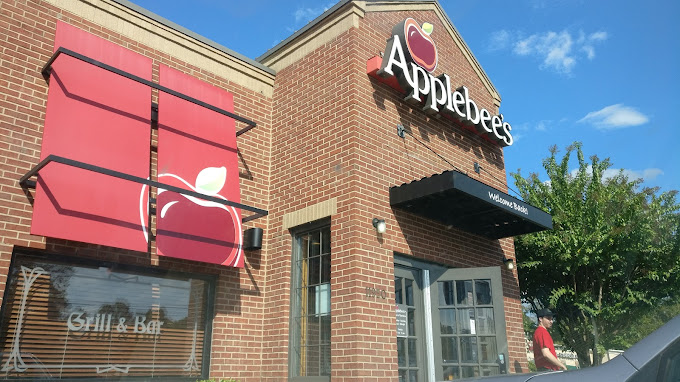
411, 57
194, 225
417, 43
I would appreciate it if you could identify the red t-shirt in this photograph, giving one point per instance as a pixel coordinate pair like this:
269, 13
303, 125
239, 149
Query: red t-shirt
542, 340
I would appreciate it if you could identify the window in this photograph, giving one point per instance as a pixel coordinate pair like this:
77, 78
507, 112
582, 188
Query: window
669, 371
310, 356
461, 309
65, 318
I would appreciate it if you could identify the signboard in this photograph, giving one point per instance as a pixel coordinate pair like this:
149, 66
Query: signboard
197, 151
402, 321
68, 320
103, 119
411, 58
97, 117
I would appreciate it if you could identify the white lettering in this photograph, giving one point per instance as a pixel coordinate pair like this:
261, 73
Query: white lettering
496, 122
438, 94
449, 97
153, 327
484, 117
458, 101
80, 322
507, 138
396, 58
139, 324
498, 199
470, 108
421, 80
78, 319
88, 322
417, 82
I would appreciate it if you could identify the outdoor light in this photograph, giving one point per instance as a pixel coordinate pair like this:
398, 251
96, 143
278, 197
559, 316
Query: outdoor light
379, 225
509, 264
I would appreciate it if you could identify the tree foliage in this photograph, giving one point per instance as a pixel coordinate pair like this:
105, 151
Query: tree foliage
611, 256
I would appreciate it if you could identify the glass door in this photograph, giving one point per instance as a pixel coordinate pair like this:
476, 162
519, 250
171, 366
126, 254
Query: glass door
468, 323
410, 328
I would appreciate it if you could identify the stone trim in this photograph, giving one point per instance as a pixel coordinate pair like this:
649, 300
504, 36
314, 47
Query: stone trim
317, 33
310, 213
338, 20
148, 31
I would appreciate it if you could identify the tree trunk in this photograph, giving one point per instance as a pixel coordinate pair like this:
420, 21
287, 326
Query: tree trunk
596, 357
583, 358
577, 339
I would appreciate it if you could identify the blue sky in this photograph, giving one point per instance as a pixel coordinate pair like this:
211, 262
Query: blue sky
602, 72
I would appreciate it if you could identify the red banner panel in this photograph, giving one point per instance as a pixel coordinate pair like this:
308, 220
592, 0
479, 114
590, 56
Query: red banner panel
100, 118
197, 151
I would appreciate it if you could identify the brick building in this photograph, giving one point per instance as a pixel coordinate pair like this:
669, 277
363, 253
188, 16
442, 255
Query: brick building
367, 211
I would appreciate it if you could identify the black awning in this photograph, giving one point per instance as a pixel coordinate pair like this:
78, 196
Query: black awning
455, 199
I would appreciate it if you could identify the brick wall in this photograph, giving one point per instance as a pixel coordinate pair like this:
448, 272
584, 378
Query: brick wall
27, 30
336, 138
328, 133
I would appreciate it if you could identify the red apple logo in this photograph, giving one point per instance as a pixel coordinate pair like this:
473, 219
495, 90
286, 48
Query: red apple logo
196, 229
420, 45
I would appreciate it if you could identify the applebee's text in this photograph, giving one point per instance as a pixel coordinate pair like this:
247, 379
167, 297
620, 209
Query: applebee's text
440, 98
81, 322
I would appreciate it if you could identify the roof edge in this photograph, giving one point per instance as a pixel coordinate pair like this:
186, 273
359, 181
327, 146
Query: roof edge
470, 56
161, 20
390, 5
366, 6
302, 30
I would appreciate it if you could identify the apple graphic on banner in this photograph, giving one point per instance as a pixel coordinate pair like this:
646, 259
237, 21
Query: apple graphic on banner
420, 45
196, 229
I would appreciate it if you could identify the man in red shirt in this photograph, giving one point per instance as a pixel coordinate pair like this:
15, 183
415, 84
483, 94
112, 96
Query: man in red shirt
544, 349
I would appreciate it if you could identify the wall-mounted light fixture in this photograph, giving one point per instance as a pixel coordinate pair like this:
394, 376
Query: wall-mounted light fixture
379, 225
509, 264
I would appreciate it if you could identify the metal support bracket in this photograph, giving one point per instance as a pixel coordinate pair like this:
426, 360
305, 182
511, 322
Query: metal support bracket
47, 70
401, 131
25, 183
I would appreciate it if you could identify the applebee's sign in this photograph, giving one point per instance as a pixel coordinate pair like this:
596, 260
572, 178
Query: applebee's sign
411, 57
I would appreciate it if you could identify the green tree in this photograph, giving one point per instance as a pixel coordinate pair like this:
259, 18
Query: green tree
646, 323
611, 256
528, 323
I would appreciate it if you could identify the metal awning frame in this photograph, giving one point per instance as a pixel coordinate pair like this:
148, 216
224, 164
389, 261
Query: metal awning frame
46, 71
25, 182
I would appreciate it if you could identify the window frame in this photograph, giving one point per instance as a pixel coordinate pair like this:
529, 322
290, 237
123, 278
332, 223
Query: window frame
439, 272
57, 258
295, 304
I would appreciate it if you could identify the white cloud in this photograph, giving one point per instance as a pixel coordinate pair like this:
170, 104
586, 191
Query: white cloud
615, 117
598, 36
500, 40
646, 175
587, 43
651, 173
558, 51
590, 51
305, 15
554, 48
517, 137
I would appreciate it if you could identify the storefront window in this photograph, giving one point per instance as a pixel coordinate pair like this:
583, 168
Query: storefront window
64, 318
311, 317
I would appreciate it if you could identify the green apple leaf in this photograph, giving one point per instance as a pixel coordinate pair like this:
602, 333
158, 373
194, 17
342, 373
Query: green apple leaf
211, 180
428, 28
